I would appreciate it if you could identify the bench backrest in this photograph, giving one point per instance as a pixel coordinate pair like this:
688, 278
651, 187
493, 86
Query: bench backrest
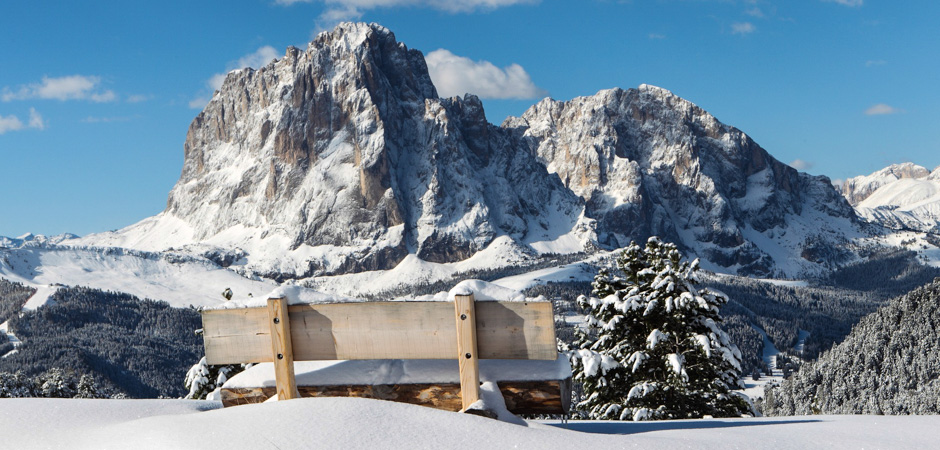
464, 330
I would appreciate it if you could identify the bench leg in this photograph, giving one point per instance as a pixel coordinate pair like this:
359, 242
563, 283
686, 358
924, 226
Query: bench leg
282, 349
467, 350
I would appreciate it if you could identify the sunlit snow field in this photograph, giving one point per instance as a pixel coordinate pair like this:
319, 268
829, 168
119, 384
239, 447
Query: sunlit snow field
353, 423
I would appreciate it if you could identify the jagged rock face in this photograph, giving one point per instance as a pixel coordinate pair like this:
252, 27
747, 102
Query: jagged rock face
650, 163
347, 145
857, 189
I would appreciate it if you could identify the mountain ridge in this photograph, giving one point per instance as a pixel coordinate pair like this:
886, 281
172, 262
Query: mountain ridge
341, 158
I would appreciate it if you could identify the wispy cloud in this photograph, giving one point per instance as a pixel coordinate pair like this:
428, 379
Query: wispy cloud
341, 10
457, 75
882, 109
35, 120
755, 12
875, 62
10, 123
852, 3
656, 36
137, 98
258, 58
92, 119
743, 28
442, 5
800, 164
72, 87
13, 123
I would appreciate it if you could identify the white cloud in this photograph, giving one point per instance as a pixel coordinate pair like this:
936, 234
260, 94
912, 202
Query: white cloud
799, 164
852, 3
875, 62
755, 12
13, 123
343, 10
199, 102
10, 123
333, 16
881, 109
35, 120
72, 87
443, 5
657, 36
457, 75
743, 28
215, 81
259, 58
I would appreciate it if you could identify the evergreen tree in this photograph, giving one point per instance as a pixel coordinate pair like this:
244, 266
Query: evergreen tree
653, 349
202, 379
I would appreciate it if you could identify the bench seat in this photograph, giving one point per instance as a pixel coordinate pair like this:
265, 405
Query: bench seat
528, 386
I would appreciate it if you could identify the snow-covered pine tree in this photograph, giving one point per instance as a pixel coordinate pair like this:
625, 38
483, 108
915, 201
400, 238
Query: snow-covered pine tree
202, 379
653, 348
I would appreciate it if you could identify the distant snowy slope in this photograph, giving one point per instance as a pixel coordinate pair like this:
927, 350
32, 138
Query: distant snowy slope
859, 188
903, 196
180, 280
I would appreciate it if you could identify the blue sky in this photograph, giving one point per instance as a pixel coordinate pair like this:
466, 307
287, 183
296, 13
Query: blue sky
96, 97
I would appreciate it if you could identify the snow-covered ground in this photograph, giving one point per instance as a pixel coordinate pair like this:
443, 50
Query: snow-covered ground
177, 279
580, 271
353, 423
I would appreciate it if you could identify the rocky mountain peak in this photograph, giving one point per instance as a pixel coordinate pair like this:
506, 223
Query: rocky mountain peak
343, 157
648, 162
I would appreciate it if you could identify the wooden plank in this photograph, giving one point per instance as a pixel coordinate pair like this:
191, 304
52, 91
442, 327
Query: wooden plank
467, 357
382, 330
522, 397
233, 336
281, 349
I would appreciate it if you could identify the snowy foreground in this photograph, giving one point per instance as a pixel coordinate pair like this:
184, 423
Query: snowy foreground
360, 423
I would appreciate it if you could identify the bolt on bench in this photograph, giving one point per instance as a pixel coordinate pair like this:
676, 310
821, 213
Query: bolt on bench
409, 336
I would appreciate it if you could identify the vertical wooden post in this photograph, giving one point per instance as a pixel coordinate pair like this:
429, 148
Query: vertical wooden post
467, 357
281, 346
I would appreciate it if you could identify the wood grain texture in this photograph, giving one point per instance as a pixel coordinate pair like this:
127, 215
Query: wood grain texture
522, 397
382, 330
467, 357
281, 349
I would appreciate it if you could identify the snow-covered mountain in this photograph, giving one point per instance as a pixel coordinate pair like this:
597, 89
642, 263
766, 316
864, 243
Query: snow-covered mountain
34, 239
902, 196
647, 162
342, 159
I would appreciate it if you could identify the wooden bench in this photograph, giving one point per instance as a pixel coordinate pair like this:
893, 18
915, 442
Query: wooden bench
464, 330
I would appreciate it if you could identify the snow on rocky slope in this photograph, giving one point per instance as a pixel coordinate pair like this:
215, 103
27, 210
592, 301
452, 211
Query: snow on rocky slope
647, 162
341, 159
902, 197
